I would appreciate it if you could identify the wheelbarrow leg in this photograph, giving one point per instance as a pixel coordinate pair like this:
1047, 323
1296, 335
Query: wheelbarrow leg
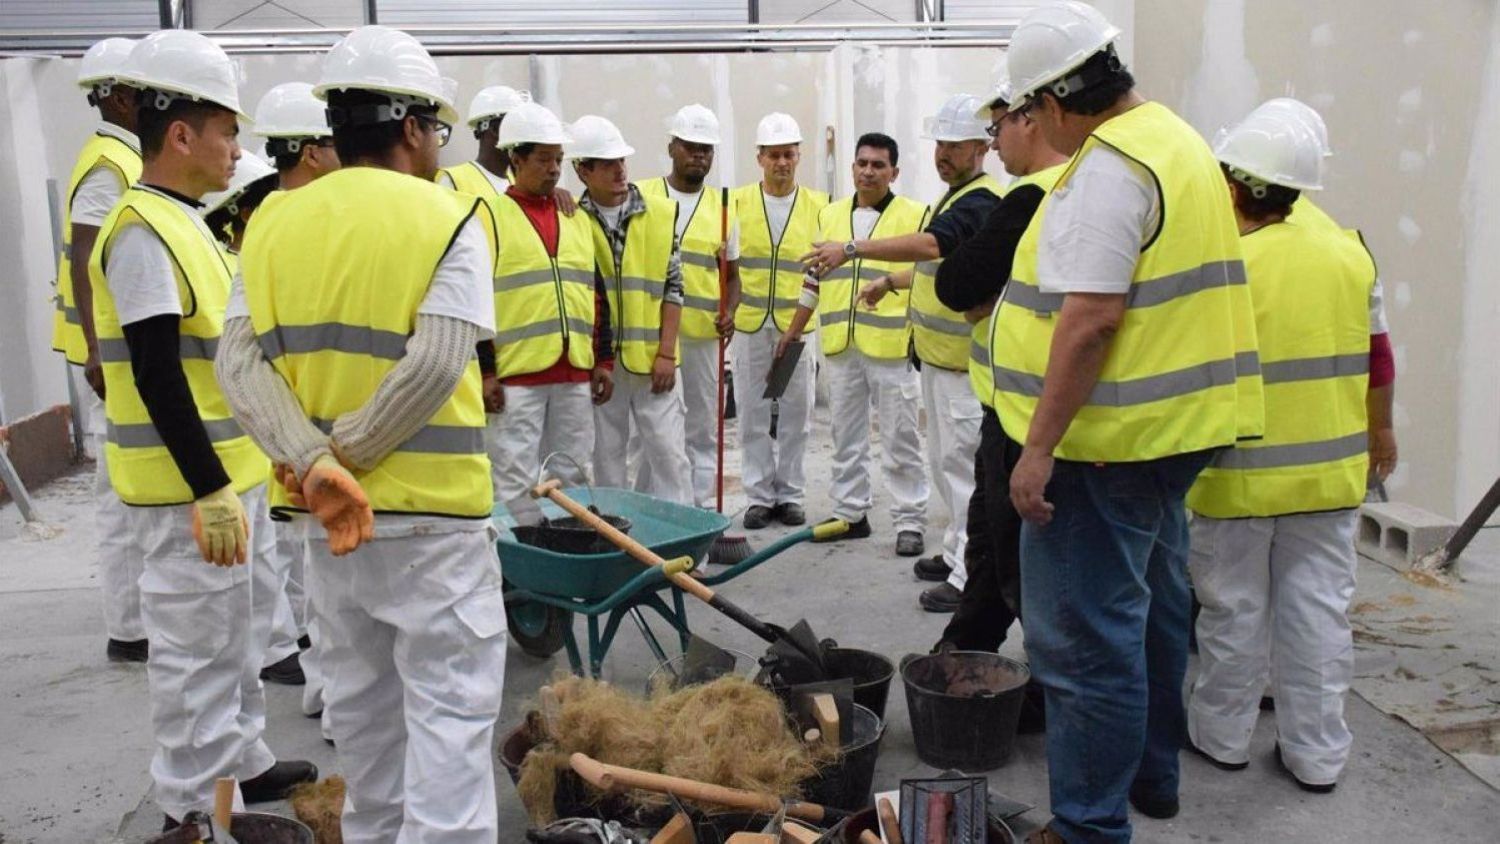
655, 646
680, 622
596, 648
575, 660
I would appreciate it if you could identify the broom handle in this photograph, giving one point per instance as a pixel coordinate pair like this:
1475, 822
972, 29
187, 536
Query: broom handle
723, 311
610, 777
553, 489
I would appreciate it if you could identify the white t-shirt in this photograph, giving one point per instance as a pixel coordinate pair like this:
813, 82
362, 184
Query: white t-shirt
778, 212
100, 189
864, 222
500, 183
610, 214
1378, 324
142, 275
687, 203
1096, 224
461, 285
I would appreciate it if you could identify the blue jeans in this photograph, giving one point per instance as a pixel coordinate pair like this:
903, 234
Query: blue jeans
1105, 598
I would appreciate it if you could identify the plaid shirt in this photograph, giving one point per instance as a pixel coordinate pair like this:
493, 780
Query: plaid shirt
636, 204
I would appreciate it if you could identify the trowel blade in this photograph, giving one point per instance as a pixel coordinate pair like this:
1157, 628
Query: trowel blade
704, 661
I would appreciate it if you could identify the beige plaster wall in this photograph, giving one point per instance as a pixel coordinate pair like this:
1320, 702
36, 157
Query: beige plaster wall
1409, 92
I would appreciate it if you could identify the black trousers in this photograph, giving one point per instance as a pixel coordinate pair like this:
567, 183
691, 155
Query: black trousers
992, 595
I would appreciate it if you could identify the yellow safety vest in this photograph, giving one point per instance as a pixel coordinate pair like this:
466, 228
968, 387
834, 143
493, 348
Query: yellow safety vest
1311, 285
771, 273
981, 375
124, 161
1184, 352
701, 240
1304, 211
469, 177
638, 285
940, 335
141, 469
542, 304
334, 273
885, 332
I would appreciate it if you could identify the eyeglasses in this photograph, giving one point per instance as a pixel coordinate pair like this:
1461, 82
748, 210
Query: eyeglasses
443, 130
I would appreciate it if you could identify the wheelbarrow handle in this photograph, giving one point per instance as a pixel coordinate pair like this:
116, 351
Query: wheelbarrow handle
673, 570
611, 777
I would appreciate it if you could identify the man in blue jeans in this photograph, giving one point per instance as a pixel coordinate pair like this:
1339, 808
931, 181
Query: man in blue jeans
1124, 357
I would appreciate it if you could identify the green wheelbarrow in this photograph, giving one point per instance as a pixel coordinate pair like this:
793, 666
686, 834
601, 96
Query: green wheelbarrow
544, 588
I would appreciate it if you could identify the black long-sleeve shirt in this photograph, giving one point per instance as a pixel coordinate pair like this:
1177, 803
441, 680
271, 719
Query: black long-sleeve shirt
976, 270
156, 362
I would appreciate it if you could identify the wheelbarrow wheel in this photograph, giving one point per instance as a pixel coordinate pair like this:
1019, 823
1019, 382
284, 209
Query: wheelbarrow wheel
539, 629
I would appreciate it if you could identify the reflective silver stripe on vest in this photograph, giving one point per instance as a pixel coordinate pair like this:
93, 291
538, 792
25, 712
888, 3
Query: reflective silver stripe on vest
874, 320
433, 439
1247, 363
1138, 391
834, 318
940, 325
756, 263
700, 303
115, 349
526, 332
1295, 454
517, 281
332, 337
636, 284
979, 352
1143, 294
70, 315
698, 259
844, 273
571, 276
648, 335
144, 435
761, 302
927, 267
578, 326
1312, 369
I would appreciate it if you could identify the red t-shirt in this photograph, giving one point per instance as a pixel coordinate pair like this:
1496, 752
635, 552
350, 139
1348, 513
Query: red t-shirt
542, 212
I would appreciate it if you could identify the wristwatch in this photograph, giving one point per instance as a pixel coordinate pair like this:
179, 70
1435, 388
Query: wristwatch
849, 251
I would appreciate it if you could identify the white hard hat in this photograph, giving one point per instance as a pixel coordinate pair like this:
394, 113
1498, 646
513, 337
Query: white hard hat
777, 128
1272, 148
596, 137
1001, 97
695, 124
180, 63
1050, 42
958, 120
291, 111
104, 62
1301, 111
532, 123
247, 171
388, 61
494, 101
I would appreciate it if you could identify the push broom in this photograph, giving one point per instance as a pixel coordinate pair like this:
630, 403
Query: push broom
727, 550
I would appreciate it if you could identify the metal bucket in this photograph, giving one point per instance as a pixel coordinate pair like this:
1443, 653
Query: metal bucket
964, 706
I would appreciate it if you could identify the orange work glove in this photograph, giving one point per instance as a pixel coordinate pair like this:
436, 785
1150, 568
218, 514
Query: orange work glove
338, 502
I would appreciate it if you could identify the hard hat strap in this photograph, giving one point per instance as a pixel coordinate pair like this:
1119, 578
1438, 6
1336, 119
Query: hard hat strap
1085, 77
285, 146
1258, 187
369, 114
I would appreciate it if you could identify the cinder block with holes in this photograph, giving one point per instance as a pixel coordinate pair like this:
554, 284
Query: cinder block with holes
1397, 534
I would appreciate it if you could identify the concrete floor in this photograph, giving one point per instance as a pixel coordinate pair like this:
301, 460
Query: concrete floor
76, 744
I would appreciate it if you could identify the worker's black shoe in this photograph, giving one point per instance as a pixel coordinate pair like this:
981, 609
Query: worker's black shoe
932, 569
278, 781
1223, 766
304, 642
1267, 703
1313, 787
119, 650
943, 597
757, 517
857, 530
790, 514
1160, 807
169, 823
909, 543
287, 672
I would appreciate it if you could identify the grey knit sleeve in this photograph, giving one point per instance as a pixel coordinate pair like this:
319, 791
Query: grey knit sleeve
437, 353
262, 402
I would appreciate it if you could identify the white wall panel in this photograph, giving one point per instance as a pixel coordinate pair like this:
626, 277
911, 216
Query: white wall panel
559, 12
64, 15
281, 14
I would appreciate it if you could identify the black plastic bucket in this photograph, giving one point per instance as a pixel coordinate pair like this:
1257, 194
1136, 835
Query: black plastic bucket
846, 783
247, 828
573, 797
568, 535
964, 706
870, 671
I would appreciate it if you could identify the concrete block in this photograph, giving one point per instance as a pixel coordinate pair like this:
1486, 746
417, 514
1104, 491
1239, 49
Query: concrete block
1397, 534
40, 446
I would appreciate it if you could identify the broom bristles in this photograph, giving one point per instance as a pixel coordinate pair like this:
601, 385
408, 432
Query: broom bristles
728, 550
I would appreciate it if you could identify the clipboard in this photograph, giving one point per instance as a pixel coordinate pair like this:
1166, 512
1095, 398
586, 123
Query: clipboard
781, 373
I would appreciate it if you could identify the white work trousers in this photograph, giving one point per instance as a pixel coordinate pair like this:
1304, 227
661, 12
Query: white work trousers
291, 547
1275, 592
414, 658
536, 422
698, 378
282, 637
658, 419
120, 562
208, 709
855, 384
773, 469
953, 417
